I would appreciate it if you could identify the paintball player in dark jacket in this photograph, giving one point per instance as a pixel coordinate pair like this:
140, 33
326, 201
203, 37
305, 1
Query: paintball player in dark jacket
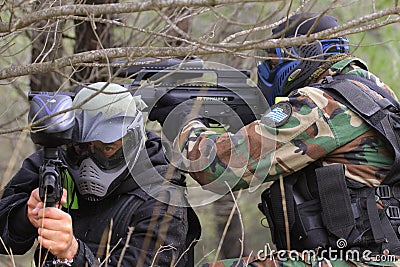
326, 159
117, 208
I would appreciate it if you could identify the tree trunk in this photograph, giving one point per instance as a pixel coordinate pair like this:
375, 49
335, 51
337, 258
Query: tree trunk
46, 46
89, 37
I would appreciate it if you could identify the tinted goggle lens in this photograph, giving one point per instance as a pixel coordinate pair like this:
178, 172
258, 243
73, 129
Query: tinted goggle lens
273, 56
76, 153
335, 46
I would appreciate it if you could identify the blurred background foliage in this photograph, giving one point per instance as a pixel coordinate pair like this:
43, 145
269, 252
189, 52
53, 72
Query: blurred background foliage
380, 48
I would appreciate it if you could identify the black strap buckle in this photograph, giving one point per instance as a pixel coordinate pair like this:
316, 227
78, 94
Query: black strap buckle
327, 80
393, 212
383, 191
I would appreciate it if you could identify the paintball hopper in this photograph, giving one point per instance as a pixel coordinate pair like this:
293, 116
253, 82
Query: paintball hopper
51, 130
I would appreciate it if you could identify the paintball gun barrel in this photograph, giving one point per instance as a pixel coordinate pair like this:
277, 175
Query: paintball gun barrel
225, 95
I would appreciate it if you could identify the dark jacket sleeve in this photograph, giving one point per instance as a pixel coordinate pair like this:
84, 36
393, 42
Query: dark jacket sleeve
16, 230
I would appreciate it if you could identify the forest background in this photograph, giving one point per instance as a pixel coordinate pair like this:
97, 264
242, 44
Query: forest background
52, 45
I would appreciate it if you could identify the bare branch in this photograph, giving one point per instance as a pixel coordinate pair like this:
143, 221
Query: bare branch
119, 8
131, 53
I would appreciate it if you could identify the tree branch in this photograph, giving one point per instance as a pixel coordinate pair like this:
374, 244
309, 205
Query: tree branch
131, 53
118, 8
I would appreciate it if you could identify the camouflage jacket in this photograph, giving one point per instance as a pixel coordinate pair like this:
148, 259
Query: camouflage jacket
317, 128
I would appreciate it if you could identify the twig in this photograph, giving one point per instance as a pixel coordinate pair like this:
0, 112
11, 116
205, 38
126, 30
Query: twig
211, 48
241, 222
159, 250
285, 214
104, 9
13, 159
54, 41
185, 251
128, 238
204, 257
9, 253
227, 225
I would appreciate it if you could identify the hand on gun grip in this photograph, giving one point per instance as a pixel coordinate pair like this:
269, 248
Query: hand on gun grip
163, 108
171, 114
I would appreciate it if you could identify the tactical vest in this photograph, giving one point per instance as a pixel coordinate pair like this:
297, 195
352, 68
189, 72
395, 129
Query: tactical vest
323, 207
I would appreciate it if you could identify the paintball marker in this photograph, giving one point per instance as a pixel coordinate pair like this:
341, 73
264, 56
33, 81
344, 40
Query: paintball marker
224, 94
51, 130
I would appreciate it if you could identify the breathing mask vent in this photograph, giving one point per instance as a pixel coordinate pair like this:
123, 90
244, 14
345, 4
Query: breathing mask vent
92, 182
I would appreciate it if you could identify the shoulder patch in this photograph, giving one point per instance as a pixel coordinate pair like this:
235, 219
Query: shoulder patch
278, 115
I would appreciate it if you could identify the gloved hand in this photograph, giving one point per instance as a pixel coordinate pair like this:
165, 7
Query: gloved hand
163, 108
170, 106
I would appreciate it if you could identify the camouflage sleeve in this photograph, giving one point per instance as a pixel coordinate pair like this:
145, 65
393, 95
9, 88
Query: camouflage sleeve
358, 67
305, 127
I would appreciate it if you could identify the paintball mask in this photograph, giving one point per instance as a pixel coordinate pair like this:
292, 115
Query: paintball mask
281, 70
110, 119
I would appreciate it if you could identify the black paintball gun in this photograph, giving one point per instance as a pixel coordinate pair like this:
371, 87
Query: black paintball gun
224, 95
51, 128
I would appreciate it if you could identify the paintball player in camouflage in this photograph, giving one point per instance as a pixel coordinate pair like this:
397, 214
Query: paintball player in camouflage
305, 142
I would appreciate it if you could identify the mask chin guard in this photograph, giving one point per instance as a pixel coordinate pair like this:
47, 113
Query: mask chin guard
93, 183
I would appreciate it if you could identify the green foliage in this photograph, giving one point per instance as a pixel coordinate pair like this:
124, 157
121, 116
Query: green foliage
380, 49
